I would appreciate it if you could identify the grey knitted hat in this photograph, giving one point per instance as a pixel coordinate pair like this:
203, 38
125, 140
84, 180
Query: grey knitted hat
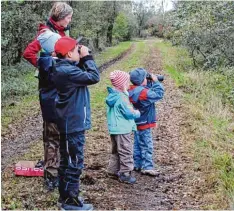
47, 40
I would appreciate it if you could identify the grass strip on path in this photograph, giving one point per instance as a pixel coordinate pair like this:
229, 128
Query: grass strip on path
112, 53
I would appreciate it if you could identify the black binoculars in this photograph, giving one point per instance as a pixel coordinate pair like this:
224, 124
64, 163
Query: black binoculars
159, 77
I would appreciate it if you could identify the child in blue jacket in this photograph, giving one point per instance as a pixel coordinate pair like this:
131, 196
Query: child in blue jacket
120, 118
143, 94
74, 115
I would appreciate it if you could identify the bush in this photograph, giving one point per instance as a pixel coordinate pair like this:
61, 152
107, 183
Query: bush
20, 20
121, 28
206, 29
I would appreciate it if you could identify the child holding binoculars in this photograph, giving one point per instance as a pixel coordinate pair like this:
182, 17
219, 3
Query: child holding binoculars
144, 93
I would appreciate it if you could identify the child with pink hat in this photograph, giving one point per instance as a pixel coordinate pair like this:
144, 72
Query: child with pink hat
121, 124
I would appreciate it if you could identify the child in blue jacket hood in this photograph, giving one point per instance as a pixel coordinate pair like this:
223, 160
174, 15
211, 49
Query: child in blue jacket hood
143, 94
74, 115
120, 118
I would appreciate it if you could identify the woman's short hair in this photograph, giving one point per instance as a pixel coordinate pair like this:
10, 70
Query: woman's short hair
60, 10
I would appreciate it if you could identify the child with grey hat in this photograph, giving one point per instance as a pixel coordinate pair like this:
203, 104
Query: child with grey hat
144, 94
47, 95
47, 40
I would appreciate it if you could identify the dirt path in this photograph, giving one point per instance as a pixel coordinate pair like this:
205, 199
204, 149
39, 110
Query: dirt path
177, 187
173, 189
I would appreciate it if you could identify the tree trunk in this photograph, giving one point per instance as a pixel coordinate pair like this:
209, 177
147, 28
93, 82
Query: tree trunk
109, 34
97, 40
111, 25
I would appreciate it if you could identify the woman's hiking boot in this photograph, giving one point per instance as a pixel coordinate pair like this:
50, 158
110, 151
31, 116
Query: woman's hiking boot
112, 175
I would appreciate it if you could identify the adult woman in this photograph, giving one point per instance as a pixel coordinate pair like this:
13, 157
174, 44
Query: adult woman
60, 17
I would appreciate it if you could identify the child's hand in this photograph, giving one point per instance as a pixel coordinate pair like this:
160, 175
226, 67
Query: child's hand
155, 78
84, 51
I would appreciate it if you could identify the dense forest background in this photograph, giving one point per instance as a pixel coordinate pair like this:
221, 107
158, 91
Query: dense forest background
204, 28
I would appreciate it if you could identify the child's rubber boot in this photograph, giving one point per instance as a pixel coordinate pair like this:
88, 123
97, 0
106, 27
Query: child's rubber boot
60, 201
127, 178
75, 207
75, 203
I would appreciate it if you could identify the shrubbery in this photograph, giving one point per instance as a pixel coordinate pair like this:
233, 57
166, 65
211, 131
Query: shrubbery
206, 29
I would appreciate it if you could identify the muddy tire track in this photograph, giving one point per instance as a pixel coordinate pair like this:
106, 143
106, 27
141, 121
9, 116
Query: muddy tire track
111, 62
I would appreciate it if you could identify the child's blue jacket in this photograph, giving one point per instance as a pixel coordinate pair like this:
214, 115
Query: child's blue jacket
73, 101
143, 99
120, 113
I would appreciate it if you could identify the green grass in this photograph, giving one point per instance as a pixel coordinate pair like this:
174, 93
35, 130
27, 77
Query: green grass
209, 102
177, 76
176, 61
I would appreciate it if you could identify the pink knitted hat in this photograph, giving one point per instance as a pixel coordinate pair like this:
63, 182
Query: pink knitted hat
119, 78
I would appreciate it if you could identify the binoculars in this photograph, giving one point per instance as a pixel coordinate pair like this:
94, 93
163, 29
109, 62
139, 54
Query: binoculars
159, 77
